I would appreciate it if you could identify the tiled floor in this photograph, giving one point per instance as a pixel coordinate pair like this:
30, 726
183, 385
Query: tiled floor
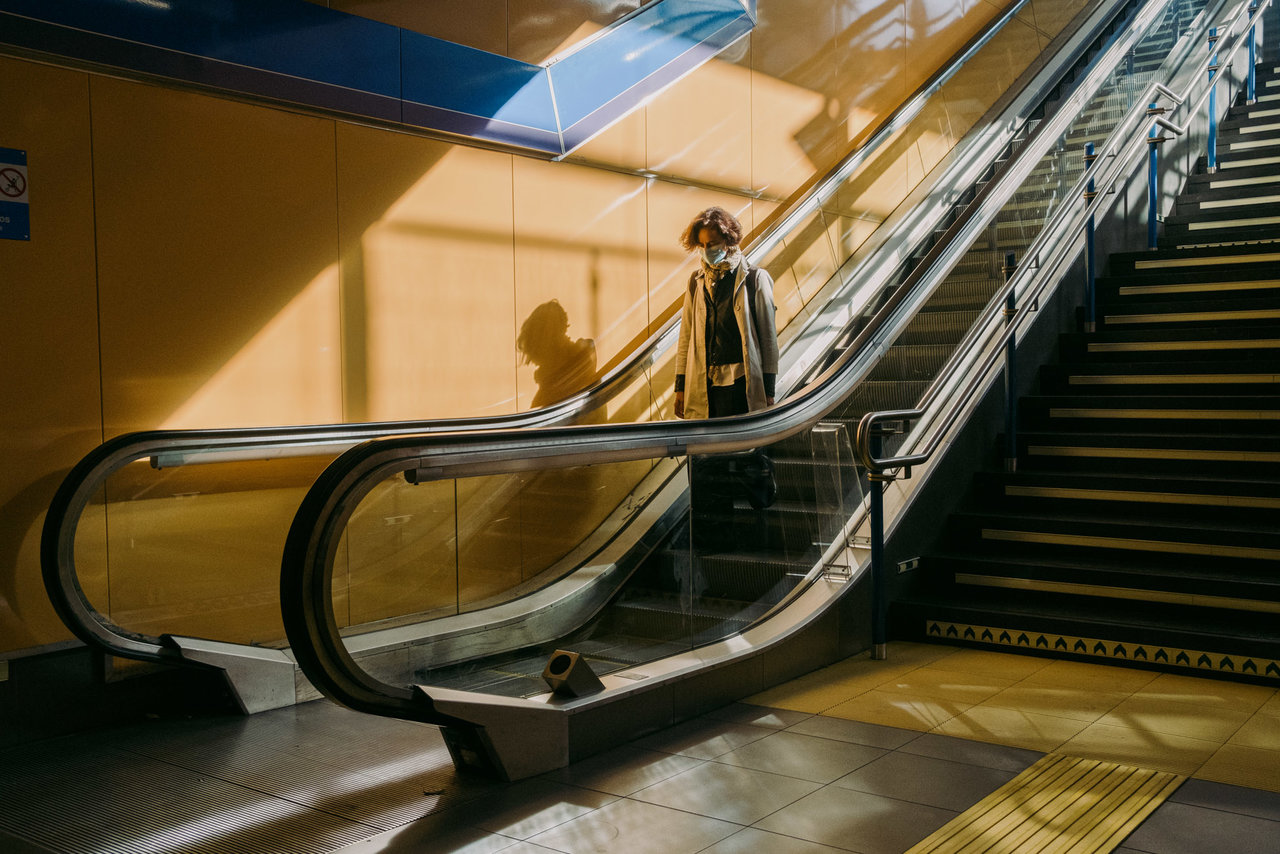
863, 756
1227, 732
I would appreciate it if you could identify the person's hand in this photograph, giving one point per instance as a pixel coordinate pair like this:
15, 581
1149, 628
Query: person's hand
679, 404
768, 401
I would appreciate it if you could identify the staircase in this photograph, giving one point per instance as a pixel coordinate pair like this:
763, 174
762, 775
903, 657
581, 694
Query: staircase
1142, 525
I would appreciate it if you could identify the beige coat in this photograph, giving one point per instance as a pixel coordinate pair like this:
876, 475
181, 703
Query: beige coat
760, 357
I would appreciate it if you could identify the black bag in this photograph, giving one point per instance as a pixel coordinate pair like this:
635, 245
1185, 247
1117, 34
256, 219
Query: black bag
753, 472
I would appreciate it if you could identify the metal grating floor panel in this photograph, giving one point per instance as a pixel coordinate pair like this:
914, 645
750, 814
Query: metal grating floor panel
312, 778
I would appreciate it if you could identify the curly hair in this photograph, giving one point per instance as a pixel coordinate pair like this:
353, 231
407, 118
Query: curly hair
716, 219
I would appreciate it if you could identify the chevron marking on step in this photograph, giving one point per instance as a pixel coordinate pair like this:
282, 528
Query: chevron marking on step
1232, 203
1195, 316
1209, 225
1264, 114
1171, 379
1061, 803
1197, 287
1163, 263
1137, 545
1155, 454
1146, 346
1191, 659
1261, 128
1170, 414
1137, 496
1164, 597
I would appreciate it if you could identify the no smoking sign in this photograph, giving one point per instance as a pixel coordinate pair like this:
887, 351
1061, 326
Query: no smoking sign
15, 207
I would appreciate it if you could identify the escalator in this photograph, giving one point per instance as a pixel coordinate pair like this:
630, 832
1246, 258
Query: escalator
672, 616
678, 632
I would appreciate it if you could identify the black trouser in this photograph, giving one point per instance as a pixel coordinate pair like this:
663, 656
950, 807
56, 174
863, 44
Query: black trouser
713, 487
725, 400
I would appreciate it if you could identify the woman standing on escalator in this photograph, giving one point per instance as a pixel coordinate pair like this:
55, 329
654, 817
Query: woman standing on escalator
727, 360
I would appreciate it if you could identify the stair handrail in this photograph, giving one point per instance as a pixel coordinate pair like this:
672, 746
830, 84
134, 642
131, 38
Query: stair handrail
306, 572
169, 448
1031, 281
973, 364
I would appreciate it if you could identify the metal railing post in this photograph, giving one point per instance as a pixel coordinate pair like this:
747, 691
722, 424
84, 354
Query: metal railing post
1090, 270
1212, 153
1010, 371
877, 481
1153, 141
1251, 95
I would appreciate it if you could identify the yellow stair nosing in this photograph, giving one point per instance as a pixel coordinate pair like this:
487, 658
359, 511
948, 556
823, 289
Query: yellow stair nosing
1142, 496
1154, 453
1192, 414
1169, 379
1131, 594
1149, 346
1132, 543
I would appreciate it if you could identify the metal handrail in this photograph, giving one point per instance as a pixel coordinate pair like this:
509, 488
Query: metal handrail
316, 530
167, 448
1125, 141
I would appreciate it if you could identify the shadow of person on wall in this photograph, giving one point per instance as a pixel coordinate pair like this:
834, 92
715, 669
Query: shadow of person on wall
563, 366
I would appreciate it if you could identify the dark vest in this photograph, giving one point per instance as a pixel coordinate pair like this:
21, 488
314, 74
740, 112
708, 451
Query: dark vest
724, 339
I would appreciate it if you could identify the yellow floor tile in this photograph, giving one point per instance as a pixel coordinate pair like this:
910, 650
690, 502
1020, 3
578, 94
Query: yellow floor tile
989, 663
947, 685
1260, 731
1243, 766
915, 654
1209, 693
1013, 728
800, 698
1154, 750
829, 686
1073, 703
1272, 706
1099, 677
900, 710
1207, 722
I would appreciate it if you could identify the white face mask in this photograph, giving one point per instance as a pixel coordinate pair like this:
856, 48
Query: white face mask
713, 255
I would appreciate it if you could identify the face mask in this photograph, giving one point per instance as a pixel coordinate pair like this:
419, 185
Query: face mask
713, 255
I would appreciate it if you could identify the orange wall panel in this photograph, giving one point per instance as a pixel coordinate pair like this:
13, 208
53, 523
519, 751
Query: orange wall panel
216, 251
49, 385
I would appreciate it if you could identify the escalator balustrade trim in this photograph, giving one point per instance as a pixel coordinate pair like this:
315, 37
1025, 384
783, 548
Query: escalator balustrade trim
1059, 804
1202, 661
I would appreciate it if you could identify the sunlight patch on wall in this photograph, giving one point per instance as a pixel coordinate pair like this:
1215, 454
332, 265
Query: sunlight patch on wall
288, 373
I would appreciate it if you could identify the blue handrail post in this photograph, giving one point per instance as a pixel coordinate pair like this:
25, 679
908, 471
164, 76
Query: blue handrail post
1153, 140
1212, 154
1010, 371
1251, 93
1090, 270
876, 482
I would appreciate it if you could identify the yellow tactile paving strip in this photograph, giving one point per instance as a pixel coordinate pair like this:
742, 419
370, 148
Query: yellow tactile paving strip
1060, 804
1211, 729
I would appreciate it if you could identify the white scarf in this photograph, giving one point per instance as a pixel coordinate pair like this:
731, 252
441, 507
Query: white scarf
711, 272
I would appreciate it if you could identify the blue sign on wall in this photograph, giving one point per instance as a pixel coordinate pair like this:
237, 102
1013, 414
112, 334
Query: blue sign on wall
15, 212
